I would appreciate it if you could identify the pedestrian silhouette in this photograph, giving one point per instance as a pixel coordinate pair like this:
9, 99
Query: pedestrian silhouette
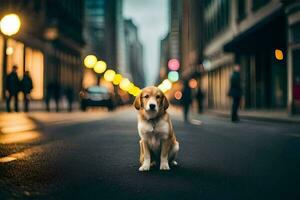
12, 88
186, 100
26, 86
200, 98
69, 92
53, 91
235, 92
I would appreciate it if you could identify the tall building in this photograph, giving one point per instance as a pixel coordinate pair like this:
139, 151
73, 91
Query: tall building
134, 51
191, 38
261, 36
48, 44
170, 47
105, 36
184, 40
164, 58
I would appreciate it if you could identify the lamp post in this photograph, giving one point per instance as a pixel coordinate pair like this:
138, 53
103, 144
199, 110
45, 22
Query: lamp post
9, 25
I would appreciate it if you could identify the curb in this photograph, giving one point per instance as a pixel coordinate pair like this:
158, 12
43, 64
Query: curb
257, 118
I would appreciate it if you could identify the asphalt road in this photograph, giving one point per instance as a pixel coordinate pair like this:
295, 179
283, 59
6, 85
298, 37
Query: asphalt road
98, 159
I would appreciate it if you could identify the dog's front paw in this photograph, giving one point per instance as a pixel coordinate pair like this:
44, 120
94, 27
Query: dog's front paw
164, 166
144, 167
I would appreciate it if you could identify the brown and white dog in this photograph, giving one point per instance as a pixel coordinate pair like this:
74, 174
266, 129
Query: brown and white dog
158, 142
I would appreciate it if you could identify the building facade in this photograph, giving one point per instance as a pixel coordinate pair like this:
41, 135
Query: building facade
261, 37
104, 32
48, 44
134, 51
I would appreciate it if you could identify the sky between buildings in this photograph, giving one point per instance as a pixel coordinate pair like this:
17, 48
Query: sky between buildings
151, 17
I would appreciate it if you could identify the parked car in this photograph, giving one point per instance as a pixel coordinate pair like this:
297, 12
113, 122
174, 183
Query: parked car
95, 96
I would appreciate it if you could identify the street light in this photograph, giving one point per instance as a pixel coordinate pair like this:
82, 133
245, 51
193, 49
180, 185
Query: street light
90, 61
10, 24
117, 79
109, 75
125, 84
100, 67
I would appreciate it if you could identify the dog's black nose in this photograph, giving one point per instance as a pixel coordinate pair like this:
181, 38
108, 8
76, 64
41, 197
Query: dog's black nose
152, 106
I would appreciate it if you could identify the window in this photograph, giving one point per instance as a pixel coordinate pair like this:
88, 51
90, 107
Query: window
241, 9
256, 4
34, 63
295, 30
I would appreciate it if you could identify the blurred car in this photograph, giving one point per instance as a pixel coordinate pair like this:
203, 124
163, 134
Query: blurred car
96, 96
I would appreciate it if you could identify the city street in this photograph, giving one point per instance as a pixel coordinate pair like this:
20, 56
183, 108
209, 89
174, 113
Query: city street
94, 155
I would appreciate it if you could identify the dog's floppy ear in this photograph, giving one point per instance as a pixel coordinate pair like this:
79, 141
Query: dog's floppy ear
137, 101
165, 102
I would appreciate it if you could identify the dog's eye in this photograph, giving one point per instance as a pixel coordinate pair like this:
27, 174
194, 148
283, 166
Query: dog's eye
158, 97
146, 96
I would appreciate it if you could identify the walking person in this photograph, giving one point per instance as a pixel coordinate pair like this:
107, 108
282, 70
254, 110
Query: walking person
235, 92
69, 92
186, 100
27, 86
200, 98
12, 88
57, 94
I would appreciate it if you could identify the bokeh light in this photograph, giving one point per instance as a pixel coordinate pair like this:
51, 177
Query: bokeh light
165, 85
117, 79
109, 75
125, 84
173, 76
136, 91
90, 61
278, 54
193, 83
131, 88
100, 67
173, 64
178, 95
10, 24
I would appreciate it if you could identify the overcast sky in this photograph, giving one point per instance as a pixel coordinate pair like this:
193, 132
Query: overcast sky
151, 17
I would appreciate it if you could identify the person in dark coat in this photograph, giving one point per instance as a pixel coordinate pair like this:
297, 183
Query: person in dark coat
27, 86
57, 95
235, 92
69, 92
200, 98
53, 91
12, 88
186, 99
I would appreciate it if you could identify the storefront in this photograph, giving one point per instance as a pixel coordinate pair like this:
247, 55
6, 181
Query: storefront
27, 59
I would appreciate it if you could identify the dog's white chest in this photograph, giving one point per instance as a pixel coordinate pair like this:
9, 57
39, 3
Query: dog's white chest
159, 130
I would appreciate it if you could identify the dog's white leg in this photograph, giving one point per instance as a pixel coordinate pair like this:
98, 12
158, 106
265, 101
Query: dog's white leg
164, 163
147, 158
173, 154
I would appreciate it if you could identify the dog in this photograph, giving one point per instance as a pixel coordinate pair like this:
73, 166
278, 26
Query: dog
158, 142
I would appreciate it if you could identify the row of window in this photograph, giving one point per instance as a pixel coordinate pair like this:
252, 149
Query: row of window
217, 14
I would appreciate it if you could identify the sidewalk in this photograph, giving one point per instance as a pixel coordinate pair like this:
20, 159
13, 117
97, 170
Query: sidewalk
263, 115
40, 106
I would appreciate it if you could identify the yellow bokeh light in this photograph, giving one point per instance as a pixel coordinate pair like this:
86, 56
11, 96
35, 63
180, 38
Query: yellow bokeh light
131, 89
125, 84
117, 79
278, 54
90, 61
109, 75
165, 85
10, 24
136, 91
100, 67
